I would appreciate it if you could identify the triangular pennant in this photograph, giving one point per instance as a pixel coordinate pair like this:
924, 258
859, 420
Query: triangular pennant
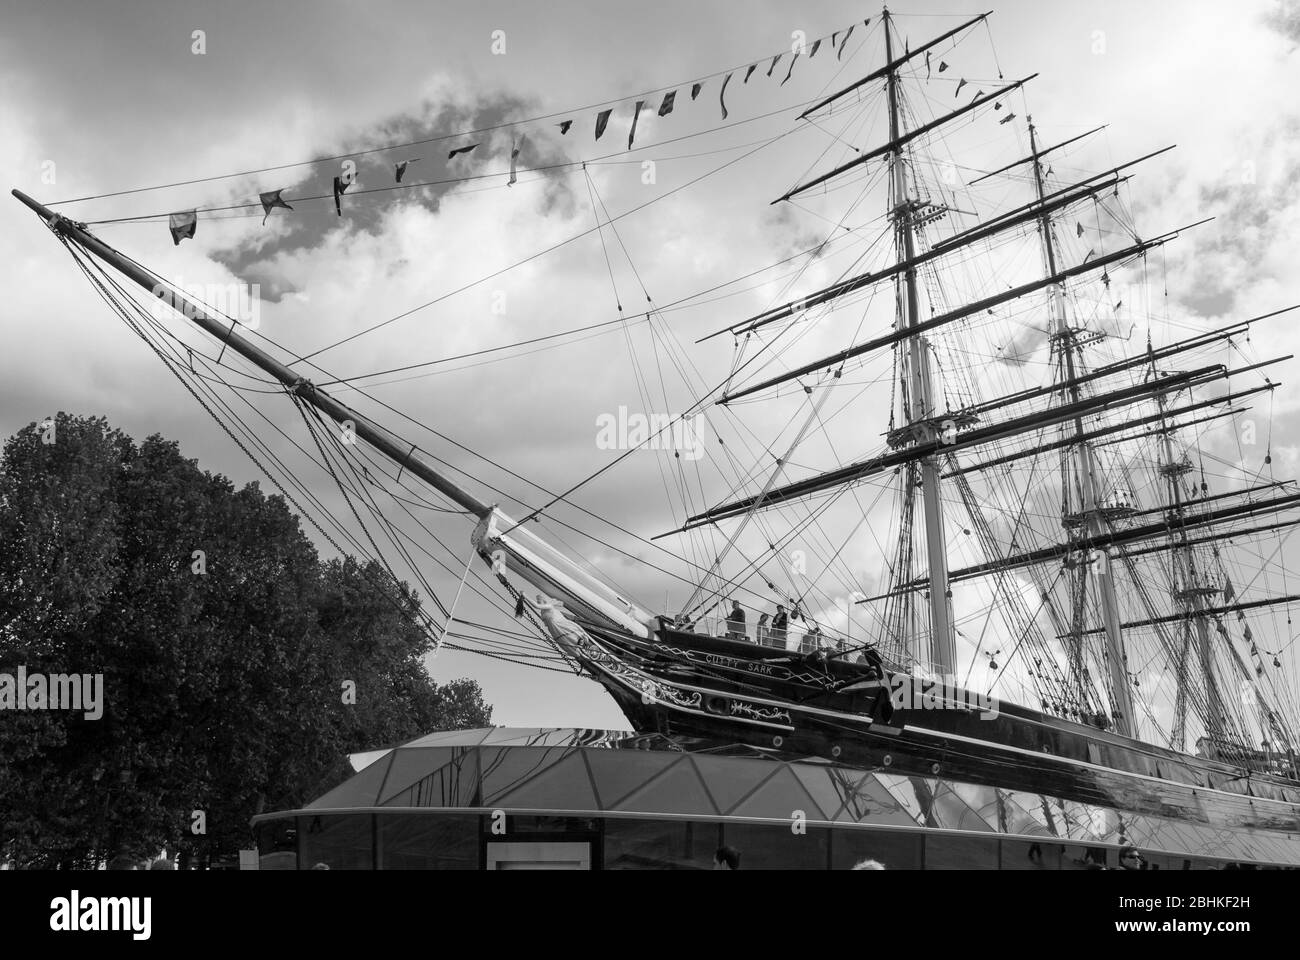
775, 60
1007, 119
183, 225
845, 42
670, 100
722, 97
1228, 590
1078, 229
833, 36
816, 46
1091, 253
564, 126
602, 119
636, 115
750, 71
696, 88
460, 150
339, 187
997, 106
978, 93
943, 65
793, 61
270, 201
927, 64
960, 83
514, 159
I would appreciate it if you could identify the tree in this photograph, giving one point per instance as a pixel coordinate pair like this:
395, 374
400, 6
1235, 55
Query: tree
224, 643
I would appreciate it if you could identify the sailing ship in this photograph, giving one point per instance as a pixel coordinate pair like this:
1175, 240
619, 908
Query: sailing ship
1074, 487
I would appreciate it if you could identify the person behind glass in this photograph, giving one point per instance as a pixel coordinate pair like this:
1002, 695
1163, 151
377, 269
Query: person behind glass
762, 631
780, 623
727, 858
736, 622
1130, 859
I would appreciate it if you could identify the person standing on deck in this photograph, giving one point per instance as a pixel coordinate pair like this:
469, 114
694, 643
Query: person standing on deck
780, 623
763, 633
736, 622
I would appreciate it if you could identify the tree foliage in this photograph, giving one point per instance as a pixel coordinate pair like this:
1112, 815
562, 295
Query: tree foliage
223, 689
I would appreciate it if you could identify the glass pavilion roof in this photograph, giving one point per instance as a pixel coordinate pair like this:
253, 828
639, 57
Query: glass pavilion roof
590, 772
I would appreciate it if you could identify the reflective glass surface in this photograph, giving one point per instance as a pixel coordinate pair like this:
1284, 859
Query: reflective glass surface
339, 842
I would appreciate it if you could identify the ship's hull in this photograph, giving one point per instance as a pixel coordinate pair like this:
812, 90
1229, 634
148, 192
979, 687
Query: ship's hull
688, 685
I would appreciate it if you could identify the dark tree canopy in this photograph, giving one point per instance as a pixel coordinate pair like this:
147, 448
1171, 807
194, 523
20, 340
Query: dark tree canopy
224, 691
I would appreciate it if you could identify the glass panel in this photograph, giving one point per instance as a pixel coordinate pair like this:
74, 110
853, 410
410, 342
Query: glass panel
340, 843
277, 844
361, 790
729, 779
950, 811
894, 850
410, 766
562, 783
618, 772
659, 844
950, 852
428, 842
779, 798
678, 790
506, 769
453, 785
1030, 855
1075, 857
776, 847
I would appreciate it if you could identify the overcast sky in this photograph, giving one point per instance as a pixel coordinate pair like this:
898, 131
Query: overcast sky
102, 97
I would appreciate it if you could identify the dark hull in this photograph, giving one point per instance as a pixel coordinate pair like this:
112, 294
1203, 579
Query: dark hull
688, 685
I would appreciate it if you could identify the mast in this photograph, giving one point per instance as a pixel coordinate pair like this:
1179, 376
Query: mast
1190, 597
918, 393
1080, 462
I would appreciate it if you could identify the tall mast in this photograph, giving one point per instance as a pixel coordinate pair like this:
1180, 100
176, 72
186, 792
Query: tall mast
918, 393
1190, 596
1079, 465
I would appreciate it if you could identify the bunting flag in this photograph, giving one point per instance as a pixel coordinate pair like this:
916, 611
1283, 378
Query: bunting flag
816, 46
978, 93
695, 89
1228, 591
775, 61
845, 42
833, 36
400, 168
1091, 253
793, 61
182, 225
927, 64
1078, 229
270, 201
943, 65
750, 71
997, 106
960, 83
602, 118
564, 126
1007, 119
636, 115
722, 97
460, 150
339, 187
670, 99
514, 159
